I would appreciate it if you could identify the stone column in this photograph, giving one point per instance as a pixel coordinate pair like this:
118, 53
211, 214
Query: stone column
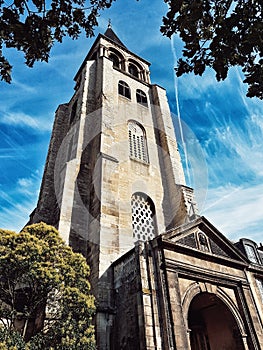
180, 329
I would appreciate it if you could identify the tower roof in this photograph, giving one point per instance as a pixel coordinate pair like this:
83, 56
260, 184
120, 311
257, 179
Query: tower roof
112, 36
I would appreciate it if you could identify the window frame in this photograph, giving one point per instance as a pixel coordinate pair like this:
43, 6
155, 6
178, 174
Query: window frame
141, 98
124, 89
114, 59
138, 149
132, 69
203, 242
119, 56
251, 253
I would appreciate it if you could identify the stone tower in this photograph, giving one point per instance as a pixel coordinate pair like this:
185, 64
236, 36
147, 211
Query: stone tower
164, 278
113, 150
113, 174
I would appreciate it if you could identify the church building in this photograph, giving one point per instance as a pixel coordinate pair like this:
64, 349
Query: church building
164, 277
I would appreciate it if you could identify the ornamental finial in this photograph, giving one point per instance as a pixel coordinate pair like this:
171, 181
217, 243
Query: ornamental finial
109, 23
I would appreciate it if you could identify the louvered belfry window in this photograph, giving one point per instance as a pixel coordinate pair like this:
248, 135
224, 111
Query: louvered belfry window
142, 217
137, 142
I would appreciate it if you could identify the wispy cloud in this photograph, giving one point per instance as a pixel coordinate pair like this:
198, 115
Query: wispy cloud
7, 156
224, 136
25, 183
16, 216
228, 128
23, 120
236, 211
24, 87
238, 143
18, 202
29, 186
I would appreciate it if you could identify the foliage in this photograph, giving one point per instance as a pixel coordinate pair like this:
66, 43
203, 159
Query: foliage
44, 292
219, 34
216, 33
34, 26
11, 340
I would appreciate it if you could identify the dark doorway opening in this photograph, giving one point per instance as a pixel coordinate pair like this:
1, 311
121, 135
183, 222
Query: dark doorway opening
212, 325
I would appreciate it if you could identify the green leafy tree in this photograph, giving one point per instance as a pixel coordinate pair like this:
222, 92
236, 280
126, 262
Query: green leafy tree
45, 300
219, 34
216, 33
34, 26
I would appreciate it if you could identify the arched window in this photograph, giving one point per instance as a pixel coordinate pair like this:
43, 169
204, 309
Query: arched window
133, 70
115, 59
124, 89
141, 97
143, 222
137, 142
203, 242
136, 69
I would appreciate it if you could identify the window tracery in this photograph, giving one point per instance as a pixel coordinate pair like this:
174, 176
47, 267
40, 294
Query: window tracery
142, 217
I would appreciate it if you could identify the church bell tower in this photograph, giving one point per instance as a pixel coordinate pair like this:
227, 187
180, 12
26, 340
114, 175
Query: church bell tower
113, 175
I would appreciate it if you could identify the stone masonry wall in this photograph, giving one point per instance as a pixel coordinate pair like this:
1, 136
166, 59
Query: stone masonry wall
47, 209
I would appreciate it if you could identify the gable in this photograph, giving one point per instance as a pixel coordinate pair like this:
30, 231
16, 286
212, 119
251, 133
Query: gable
206, 244
201, 235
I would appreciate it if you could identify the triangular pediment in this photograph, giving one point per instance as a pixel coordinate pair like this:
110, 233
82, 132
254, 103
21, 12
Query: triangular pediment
200, 235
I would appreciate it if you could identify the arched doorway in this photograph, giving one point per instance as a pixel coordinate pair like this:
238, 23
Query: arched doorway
212, 325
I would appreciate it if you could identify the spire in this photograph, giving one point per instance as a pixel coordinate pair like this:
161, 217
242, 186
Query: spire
112, 36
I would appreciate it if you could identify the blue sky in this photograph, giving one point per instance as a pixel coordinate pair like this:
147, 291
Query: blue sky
222, 138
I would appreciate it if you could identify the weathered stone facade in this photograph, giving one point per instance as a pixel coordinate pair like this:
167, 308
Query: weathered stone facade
114, 186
